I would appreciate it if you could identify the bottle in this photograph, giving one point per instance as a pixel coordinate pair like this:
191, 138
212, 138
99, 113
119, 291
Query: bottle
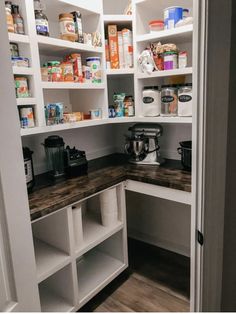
10, 23
18, 20
41, 20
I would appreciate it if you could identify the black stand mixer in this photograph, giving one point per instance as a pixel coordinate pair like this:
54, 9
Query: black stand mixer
142, 144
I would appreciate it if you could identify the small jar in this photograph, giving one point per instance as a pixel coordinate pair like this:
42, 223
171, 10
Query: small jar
151, 101
169, 101
9, 17
185, 100
129, 106
170, 60
67, 27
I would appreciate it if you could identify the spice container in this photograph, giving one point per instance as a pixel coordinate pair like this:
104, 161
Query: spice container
129, 106
156, 26
95, 68
41, 20
27, 117
185, 103
170, 60
67, 27
9, 17
183, 59
14, 50
67, 71
151, 101
18, 20
86, 73
169, 101
22, 90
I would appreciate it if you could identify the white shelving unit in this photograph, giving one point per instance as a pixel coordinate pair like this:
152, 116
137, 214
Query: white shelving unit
157, 74
71, 273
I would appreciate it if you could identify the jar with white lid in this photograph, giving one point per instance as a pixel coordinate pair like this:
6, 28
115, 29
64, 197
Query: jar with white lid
151, 101
185, 103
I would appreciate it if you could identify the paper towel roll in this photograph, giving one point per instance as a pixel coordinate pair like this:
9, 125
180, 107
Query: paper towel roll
77, 224
109, 207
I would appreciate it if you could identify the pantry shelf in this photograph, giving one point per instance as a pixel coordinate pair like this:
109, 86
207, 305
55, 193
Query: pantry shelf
120, 71
17, 38
118, 19
22, 71
96, 270
180, 34
52, 302
176, 72
95, 233
67, 85
58, 47
26, 101
48, 259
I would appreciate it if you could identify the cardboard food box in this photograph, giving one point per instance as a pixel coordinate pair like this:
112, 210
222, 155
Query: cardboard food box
113, 46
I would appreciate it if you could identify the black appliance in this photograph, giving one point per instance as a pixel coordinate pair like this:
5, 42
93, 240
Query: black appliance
29, 169
186, 154
76, 163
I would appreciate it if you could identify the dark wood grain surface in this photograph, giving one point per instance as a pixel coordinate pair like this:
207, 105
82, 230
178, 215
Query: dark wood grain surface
103, 173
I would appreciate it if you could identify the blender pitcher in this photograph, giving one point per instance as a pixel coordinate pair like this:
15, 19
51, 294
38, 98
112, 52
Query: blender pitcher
54, 149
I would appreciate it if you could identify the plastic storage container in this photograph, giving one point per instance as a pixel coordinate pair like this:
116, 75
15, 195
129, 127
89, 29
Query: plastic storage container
172, 15
169, 101
95, 69
156, 26
185, 103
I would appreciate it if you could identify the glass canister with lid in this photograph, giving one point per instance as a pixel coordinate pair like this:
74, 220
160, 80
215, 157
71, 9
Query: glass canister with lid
185, 100
151, 101
169, 100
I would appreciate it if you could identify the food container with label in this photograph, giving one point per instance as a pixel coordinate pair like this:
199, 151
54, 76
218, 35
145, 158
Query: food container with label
14, 50
75, 58
185, 100
129, 106
67, 27
86, 73
96, 114
67, 71
95, 69
27, 117
170, 60
55, 71
172, 16
22, 89
156, 26
151, 101
183, 59
20, 62
169, 101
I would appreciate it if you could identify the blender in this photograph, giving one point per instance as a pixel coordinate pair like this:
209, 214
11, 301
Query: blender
54, 149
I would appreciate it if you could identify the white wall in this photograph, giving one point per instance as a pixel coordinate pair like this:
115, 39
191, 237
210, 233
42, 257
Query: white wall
96, 141
159, 222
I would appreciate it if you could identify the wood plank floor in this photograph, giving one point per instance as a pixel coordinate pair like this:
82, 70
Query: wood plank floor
156, 281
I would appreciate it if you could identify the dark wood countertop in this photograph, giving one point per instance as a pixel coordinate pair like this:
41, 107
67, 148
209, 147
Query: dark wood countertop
103, 173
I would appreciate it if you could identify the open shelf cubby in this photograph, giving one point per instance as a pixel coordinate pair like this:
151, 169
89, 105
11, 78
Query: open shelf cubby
90, 228
100, 266
52, 250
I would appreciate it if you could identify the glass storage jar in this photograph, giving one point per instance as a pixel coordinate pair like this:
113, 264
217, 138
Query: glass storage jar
169, 101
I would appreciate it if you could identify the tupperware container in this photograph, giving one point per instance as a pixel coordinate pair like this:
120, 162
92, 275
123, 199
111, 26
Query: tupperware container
156, 26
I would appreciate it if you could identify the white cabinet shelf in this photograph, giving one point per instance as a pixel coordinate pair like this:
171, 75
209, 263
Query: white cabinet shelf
94, 233
22, 71
156, 74
180, 34
17, 38
48, 259
129, 71
118, 19
67, 85
95, 270
55, 46
26, 101
52, 302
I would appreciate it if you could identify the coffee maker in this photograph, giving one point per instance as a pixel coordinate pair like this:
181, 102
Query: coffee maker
142, 144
